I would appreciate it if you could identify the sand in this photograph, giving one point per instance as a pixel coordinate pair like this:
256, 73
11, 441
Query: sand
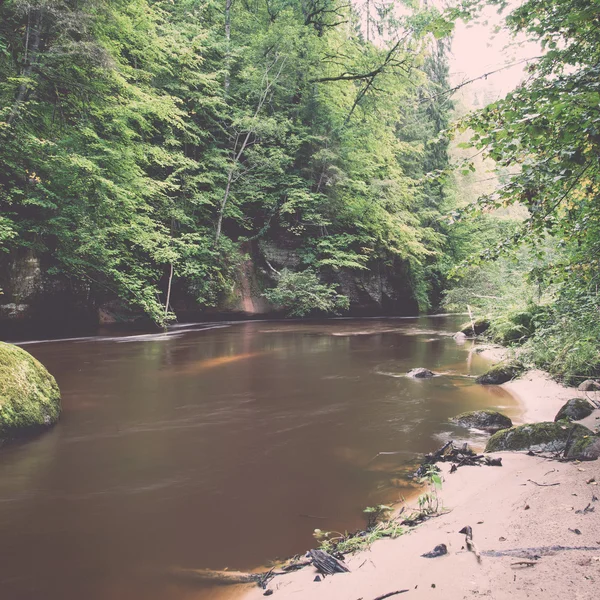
508, 512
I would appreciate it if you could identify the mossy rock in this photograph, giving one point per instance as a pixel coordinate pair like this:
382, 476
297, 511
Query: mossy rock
479, 326
542, 437
509, 333
586, 448
500, 374
29, 395
574, 409
487, 420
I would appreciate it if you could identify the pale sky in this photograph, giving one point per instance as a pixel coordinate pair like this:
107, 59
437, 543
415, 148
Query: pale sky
477, 49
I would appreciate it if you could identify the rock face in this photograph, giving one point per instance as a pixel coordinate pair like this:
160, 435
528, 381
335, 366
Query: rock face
589, 385
479, 326
29, 396
575, 409
420, 373
500, 374
487, 420
543, 437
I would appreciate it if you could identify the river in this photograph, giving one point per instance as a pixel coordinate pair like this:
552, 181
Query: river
221, 445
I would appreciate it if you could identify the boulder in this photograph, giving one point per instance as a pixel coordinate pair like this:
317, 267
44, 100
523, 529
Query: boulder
542, 437
29, 396
574, 409
460, 337
589, 385
487, 420
500, 374
587, 448
420, 373
477, 327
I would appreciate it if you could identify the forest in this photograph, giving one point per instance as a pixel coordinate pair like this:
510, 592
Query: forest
152, 152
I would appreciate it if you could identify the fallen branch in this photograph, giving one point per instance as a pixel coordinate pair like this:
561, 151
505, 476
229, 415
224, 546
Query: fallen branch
217, 577
327, 564
544, 484
460, 456
390, 594
468, 531
539, 551
524, 563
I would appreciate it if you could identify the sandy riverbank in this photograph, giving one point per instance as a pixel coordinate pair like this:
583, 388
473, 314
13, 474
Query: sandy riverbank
507, 510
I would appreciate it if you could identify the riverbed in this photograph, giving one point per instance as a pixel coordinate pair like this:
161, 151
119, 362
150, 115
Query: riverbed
222, 445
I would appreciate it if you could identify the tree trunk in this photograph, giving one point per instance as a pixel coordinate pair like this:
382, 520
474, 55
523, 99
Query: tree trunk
35, 33
228, 4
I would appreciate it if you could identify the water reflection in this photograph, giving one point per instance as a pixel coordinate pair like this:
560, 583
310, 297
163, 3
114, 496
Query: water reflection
214, 447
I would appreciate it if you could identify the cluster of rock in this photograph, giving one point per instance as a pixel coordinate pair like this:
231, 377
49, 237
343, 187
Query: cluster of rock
559, 437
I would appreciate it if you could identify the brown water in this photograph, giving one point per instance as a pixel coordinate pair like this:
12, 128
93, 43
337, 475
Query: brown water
215, 446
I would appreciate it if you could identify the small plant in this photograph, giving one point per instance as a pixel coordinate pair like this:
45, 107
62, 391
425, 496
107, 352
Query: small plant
378, 526
429, 502
302, 293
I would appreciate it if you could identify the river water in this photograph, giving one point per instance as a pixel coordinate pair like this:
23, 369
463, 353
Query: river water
221, 445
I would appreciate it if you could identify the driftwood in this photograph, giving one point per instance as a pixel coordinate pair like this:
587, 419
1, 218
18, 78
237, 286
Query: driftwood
468, 531
459, 456
236, 577
327, 564
216, 577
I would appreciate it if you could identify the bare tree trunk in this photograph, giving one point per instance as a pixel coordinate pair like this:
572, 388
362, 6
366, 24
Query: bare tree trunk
228, 4
237, 154
169, 293
30, 58
224, 203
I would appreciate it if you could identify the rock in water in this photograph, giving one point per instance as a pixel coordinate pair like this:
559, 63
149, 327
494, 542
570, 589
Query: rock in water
487, 420
589, 385
29, 395
501, 373
459, 337
543, 437
420, 373
574, 410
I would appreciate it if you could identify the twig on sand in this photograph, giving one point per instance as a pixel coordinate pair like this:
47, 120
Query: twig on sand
523, 563
539, 551
544, 484
468, 531
390, 594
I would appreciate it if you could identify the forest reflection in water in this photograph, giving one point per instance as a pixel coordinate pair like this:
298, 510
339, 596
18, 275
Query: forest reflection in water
217, 445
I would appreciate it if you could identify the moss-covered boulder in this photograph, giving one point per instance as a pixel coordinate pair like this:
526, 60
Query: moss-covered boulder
477, 327
487, 420
542, 437
500, 374
574, 409
586, 448
29, 396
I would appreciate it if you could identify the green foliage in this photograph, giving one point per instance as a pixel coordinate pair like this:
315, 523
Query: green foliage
379, 525
143, 139
566, 339
546, 135
301, 293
